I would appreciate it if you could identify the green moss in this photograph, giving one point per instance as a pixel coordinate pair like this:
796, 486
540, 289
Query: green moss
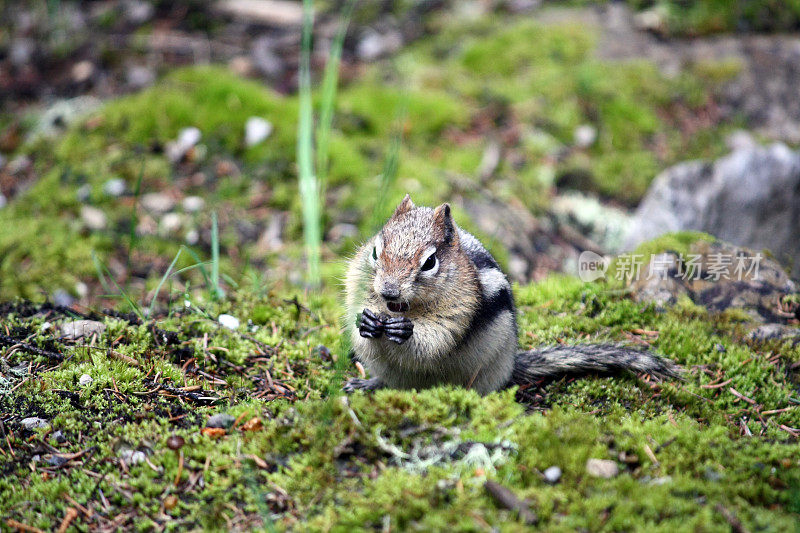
702, 17
335, 463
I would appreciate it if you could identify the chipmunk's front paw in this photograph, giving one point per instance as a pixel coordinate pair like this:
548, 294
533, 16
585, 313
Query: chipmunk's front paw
371, 326
398, 329
355, 384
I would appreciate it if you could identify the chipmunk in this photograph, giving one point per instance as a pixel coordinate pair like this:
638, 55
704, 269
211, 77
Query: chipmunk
431, 306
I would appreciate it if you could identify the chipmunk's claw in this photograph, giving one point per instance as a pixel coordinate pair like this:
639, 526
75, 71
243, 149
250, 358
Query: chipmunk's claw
371, 326
355, 384
398, 329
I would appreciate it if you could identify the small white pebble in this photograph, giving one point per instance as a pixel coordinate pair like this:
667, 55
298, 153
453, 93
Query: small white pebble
552, 475
228, 321
192, 236
256, 130
585, 135
85, 380
132, 457
192, 204
602, 468
34, 422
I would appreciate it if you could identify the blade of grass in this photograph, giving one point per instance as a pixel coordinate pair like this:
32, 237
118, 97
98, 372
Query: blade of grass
100, 275
330, 81
151, 307
199, 263
390, 167
120, 291
217, 292
132, 240
308, 185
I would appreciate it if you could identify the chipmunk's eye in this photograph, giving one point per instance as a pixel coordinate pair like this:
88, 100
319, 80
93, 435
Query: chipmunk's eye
429, 263
374, 253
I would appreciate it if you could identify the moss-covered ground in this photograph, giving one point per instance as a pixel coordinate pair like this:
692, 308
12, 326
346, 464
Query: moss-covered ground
715, 451
693, 455
516, 83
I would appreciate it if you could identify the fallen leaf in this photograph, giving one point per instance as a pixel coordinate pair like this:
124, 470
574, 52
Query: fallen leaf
254, 424
214, 433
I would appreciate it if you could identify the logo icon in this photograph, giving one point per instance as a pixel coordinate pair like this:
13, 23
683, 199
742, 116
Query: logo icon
592, 266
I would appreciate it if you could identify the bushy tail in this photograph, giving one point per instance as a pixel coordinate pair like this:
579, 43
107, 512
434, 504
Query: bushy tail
581, 359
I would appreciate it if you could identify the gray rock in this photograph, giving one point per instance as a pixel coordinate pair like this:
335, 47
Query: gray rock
158, 203
256, 129
170, 223
552, 475
374, 45
602, 468
769, 332
61, 114
717, 276
278, 13
604, 225
82, 71
265, 59
63, 298
93, 218
77, 329
20, 164
659, 283
21, 51
242, 66
222, 420
139, 77
56, 460
272, 238
132, 457
85, 380
193, 204
228, 321
712, 475
342, 231
83, 193
187, 139
115, 187
749, 198
192, 237
585, 135
523, 6
34, 422
137, 11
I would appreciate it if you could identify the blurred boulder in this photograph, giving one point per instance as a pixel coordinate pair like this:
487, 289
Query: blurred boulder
278, 13
139, 76
719, 276
603, 225
93, 218
749, 198
374, 45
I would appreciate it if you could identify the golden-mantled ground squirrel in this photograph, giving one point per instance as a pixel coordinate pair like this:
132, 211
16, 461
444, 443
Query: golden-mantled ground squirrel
428, 305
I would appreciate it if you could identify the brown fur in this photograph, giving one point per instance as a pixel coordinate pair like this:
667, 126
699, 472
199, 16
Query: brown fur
445, 346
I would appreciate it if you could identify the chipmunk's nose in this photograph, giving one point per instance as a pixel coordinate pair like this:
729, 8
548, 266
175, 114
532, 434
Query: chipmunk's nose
390, 292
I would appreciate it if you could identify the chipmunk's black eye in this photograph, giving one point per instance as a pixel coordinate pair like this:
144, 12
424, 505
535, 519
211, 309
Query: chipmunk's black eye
375, 253
429, 263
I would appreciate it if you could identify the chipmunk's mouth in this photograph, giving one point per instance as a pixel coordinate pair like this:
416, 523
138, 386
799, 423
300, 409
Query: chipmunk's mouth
397, 307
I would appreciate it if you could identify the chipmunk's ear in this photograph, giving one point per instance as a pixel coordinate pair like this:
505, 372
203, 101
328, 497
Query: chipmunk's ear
443, 222
405, 206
